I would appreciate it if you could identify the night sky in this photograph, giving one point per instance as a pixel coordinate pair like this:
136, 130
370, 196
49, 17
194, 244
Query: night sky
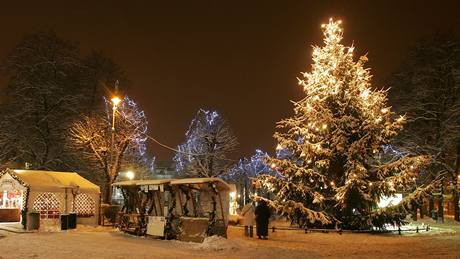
239, 58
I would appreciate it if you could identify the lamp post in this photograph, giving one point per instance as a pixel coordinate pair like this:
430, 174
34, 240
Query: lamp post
115, 102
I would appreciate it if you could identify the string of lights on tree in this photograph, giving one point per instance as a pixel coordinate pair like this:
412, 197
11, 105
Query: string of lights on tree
331, 171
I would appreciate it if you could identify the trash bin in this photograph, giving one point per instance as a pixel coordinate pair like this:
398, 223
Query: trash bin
24, 218
64, 221
33, 220
72, 220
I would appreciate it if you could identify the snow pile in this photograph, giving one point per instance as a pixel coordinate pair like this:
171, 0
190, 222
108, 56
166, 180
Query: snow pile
217, 243
50, 225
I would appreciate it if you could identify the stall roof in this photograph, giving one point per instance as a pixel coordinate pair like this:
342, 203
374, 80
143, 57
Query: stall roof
48, 181
221, 183
142, 182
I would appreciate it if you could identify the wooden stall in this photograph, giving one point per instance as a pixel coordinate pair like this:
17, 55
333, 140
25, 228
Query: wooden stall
144, 208
186, 209
201, 200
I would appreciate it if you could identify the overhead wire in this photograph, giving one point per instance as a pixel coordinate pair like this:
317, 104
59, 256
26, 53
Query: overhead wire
175, 149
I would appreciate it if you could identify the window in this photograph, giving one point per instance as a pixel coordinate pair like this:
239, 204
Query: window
48, 205
84, 205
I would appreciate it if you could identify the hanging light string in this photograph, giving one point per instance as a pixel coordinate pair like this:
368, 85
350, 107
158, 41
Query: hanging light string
175, 149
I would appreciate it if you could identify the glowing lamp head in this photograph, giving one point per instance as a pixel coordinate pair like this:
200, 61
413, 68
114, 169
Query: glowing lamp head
130, 175
116, 100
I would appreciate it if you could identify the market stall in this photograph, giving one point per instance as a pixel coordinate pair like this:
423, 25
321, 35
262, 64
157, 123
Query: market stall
203, 207
144, 207
48, 193
185, 209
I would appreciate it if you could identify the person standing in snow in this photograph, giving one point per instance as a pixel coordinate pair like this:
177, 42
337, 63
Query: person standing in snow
262, 217
248, 219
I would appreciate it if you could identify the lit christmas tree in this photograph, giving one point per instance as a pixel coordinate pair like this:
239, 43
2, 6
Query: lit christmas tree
336, 170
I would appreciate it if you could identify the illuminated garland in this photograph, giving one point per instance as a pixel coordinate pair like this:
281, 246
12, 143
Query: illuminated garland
25, 195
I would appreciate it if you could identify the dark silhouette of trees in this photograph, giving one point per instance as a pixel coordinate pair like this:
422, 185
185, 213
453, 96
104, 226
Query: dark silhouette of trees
427, 89
50, 85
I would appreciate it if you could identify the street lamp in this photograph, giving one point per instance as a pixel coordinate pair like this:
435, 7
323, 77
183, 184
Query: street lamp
115, 102
130, 175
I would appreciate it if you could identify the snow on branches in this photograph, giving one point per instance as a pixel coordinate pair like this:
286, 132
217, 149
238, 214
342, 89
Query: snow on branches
106, 147
333, 174
209, 140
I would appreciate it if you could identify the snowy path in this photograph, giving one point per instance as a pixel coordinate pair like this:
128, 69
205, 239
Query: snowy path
104, 243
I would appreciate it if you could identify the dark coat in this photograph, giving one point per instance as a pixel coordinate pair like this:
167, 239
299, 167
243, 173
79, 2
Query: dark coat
262, 217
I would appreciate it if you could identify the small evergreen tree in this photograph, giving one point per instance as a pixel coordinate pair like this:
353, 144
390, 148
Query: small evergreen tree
333, 174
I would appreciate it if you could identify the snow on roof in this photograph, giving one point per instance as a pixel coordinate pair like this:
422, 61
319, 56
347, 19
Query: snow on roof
142, 182
221, 183
49, 181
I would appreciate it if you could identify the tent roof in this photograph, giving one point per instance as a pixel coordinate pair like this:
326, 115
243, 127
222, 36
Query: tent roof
48, 181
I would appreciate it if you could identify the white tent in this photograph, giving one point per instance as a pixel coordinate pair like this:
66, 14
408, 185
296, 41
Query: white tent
49, 193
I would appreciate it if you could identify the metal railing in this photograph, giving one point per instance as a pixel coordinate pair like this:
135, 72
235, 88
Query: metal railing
417, 229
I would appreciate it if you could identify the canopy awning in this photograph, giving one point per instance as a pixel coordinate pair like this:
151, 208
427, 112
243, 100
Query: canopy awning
49, 181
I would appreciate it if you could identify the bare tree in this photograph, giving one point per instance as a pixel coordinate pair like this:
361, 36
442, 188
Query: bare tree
209, 141
428, 90
106, 147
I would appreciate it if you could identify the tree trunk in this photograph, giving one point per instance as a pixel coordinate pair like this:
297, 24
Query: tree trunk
441, 205
455, 176
455, 194
430, 206
108, 190
421, 210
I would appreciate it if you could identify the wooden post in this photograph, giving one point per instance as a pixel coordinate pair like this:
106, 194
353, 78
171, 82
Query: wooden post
160, 206
195, 210
153, 203
222, 210
180, 200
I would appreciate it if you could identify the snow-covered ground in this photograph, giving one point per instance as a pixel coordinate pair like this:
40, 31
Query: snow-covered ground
443, 241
